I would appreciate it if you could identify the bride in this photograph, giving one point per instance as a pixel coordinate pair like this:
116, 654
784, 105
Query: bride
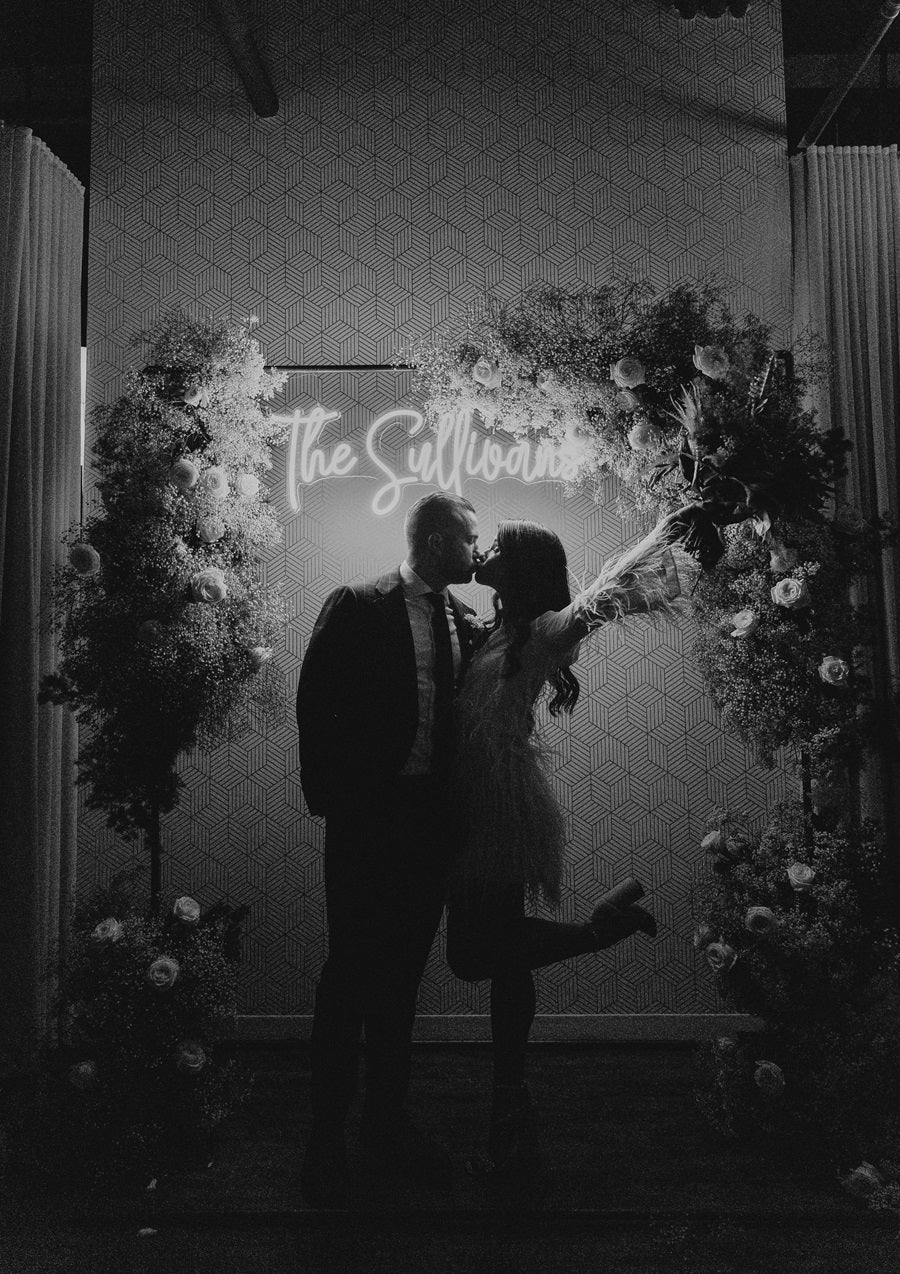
511, 833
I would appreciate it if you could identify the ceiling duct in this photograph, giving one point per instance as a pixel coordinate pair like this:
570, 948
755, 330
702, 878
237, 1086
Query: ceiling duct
242, 47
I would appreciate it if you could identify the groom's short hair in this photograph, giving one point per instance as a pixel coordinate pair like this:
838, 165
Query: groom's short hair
434, 512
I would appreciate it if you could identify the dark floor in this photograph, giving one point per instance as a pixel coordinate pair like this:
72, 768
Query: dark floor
633, 1179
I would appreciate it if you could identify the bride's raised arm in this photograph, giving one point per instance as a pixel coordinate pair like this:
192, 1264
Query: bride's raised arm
644, 578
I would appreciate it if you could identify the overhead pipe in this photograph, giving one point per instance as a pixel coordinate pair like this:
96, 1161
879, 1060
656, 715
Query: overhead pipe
243, 50
888, 11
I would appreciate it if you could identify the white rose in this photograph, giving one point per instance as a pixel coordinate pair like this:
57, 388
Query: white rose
210, 529
259, 655
163, 973
186, 910
703, 936
800, 876
190, 1057
782, 559
720, 956
715, 842
863, 1181
769, 1078
487, 373
195, 394
834, 671
644, 437
627, 372
712, 361
760, 920
83, 1075
214, 482
762, 524
745, 622
792, 594
108, 930
84, 559
184, 474
247, 485
209, 585
627, 400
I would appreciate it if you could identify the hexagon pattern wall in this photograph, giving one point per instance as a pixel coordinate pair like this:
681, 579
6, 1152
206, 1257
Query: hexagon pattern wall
421, 153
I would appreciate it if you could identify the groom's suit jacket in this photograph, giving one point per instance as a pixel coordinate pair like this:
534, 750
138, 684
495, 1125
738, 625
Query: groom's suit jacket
357, 700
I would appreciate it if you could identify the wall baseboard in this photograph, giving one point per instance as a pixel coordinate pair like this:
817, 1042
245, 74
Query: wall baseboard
588, 1028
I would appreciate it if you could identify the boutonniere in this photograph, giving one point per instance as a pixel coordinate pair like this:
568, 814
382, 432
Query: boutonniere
477, 630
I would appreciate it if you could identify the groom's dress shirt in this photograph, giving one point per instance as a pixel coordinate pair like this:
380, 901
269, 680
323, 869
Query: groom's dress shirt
419, 610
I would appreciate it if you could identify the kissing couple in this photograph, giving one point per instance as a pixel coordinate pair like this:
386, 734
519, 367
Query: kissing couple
418, 746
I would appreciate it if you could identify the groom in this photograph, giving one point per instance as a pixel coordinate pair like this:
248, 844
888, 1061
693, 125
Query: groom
374, 708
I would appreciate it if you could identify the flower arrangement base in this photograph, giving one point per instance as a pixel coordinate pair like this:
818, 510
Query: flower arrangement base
70, 1139
144, 1076
798, 923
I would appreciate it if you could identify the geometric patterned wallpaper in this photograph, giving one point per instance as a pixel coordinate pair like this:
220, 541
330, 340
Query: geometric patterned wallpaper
422, 154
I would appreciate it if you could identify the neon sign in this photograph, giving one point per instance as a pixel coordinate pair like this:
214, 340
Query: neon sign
440, 457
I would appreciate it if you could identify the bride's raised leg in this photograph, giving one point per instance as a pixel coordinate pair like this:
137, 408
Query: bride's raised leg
615, 917
497, 941
617, 914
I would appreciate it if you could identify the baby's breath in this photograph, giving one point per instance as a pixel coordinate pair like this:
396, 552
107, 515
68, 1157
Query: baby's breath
824, 979
139, 1110
148, 670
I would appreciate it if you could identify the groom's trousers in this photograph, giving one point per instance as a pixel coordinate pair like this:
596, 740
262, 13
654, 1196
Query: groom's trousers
385, 859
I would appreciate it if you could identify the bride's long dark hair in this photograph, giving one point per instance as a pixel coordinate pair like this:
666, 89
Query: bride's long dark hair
535, 580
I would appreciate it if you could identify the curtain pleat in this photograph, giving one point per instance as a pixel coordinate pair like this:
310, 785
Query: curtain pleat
41, 216
846, 215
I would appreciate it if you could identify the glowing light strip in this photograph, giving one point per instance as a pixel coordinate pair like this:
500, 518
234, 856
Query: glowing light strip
82, 402
447, 454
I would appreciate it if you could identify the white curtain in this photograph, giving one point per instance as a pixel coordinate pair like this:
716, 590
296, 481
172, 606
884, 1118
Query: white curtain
846, 212
41, 222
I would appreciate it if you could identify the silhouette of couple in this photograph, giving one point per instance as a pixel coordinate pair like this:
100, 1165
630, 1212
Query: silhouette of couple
417, 745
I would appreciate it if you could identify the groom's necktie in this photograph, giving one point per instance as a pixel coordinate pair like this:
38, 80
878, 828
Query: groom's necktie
444, 678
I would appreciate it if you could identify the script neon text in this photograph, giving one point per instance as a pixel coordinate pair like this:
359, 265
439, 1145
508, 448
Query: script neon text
442, 457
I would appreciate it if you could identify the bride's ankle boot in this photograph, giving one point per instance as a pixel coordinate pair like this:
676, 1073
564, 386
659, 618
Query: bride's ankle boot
512, 1140
617, 915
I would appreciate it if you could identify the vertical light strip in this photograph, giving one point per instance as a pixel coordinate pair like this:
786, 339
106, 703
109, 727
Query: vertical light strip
83, 429
83, 401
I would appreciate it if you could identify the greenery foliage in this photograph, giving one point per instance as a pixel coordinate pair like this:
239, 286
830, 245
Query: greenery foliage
165, 627
769, 682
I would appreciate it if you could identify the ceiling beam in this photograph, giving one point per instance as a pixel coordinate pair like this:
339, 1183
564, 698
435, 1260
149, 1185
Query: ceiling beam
245, 55
822, 70
877, 29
